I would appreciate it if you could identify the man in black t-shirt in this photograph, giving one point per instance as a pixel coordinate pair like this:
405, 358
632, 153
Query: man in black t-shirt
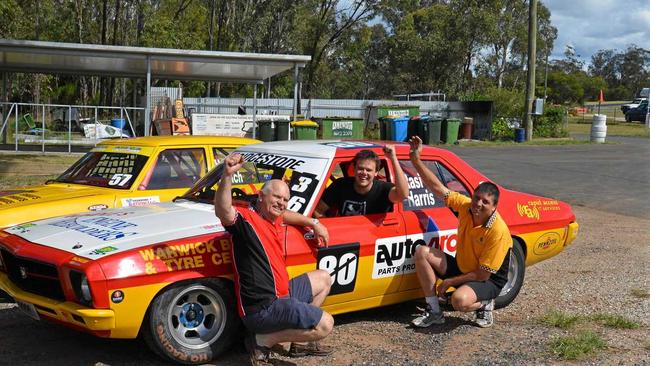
363, 194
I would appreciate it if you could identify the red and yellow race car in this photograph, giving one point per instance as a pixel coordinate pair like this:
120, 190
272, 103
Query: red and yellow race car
165, 270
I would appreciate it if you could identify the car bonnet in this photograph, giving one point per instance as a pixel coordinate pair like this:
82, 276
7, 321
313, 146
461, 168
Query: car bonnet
94, 235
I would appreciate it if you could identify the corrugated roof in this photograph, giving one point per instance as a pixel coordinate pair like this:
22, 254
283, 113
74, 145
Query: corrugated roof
122, 61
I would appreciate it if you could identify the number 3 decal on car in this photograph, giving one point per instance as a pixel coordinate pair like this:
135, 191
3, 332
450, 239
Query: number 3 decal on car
342, 263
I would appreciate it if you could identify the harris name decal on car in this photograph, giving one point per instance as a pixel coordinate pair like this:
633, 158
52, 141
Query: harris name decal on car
102, 228
395, 256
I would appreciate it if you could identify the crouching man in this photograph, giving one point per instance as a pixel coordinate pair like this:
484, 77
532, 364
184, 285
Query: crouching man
480, 269
273, 308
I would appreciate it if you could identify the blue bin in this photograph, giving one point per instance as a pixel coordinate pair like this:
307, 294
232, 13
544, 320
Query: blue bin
520, 134
399, 132
118, 123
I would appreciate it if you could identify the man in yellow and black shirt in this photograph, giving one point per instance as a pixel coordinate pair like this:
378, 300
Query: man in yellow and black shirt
480, 269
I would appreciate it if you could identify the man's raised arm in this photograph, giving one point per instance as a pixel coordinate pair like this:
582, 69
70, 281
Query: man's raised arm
428, 177
223, 197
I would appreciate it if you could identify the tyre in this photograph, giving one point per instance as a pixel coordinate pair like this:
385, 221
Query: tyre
192, 322
627, 118
516, 274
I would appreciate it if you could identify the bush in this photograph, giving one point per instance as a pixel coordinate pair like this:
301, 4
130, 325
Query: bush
550, 124
501, 131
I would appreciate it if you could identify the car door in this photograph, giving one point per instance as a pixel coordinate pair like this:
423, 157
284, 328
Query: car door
357, 254
172, 173
428, 221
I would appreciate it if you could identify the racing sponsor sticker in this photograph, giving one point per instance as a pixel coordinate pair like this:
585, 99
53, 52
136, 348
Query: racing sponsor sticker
342, 263
21, 229
140, 201
395, 256
100, 227
103, 251
546, 243
97, 207
117, 296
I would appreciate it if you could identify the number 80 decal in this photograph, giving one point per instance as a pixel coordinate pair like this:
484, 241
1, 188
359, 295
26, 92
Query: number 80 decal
342, 263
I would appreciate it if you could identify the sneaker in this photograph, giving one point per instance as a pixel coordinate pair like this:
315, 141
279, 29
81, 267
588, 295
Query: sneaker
259, 355
428, 318
309, 349
484, 317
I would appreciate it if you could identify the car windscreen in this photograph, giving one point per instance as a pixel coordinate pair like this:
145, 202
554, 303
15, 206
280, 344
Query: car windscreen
303, 176
105, 169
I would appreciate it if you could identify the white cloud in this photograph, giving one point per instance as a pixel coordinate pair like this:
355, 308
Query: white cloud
592, 25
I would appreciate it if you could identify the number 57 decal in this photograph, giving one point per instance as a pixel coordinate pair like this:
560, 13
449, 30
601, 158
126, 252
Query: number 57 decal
341, 262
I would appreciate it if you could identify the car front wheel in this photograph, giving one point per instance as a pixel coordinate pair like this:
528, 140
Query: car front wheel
516, 273
192, 322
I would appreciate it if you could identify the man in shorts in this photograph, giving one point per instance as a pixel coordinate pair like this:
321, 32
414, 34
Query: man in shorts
480, 269
363, 194
273, 308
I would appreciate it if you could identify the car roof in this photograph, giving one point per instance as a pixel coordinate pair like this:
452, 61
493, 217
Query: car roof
154, 141
331, 148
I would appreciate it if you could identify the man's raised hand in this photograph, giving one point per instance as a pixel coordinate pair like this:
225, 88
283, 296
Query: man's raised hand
232, 163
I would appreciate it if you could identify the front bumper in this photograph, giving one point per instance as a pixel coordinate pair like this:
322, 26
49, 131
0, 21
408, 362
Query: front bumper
572, 233
66, 312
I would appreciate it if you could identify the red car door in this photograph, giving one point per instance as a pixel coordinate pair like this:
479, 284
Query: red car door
359, 247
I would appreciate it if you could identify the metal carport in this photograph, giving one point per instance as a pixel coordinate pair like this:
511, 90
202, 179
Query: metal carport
139, 62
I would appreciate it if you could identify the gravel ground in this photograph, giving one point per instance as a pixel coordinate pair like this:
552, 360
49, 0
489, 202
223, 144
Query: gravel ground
596, 275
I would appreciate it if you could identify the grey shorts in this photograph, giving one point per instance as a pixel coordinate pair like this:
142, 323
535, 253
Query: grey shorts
291, 312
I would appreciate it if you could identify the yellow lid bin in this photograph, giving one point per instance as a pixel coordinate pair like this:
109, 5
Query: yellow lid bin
304, 130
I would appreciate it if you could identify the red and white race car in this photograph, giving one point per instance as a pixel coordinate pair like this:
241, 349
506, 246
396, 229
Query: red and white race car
166, 270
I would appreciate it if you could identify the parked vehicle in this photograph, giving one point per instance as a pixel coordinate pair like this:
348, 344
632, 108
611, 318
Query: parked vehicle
638, 113
165, 271
635, 103
120, 173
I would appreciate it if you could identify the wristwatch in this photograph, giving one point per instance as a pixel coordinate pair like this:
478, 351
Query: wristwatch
314, 222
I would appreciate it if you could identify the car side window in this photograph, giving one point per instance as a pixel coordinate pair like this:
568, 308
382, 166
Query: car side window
177, 168
346, 169
452, 182
220, 153
419, 196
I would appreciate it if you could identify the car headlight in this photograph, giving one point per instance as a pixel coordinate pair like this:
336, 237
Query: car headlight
81, 287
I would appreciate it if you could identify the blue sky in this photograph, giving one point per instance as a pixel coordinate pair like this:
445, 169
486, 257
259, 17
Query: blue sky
591, 25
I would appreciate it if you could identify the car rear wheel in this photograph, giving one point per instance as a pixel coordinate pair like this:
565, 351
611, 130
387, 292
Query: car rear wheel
192, 322
516, 273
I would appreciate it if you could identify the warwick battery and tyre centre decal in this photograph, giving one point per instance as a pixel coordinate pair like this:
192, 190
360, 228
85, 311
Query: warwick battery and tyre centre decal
395, 256
341, 262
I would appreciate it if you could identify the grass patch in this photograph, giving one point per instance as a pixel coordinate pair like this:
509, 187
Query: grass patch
21, 170
534, 142
615, 321
577, 346
613, 128
558, 319
640, 293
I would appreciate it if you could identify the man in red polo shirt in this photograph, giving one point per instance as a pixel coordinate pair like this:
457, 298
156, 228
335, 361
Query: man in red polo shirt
273, 308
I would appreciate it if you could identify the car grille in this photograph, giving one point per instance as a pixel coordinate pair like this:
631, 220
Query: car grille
36, 277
